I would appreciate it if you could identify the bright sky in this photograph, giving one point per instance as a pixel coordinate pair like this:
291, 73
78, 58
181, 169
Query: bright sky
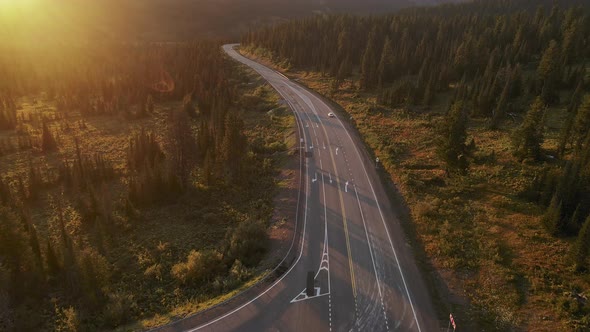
33, 21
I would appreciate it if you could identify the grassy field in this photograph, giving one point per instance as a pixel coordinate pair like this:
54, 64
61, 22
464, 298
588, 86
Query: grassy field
491, 261
140, 253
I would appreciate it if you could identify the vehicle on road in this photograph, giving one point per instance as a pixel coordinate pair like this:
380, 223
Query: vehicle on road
331, 115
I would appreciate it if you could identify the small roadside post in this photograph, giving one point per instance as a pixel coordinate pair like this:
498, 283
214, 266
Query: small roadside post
452, 322
377, 162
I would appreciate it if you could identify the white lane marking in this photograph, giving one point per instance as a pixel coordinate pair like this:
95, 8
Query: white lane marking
283, 76
372, 257
309, 103
326, 246
327, 138
303, 295
296, 89
383, 221
296, 221
376, 201
324, 263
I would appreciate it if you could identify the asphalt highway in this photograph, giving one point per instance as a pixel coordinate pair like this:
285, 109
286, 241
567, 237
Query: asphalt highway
366, 278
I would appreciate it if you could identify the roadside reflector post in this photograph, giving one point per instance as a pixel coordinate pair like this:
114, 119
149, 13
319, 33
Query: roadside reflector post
452, 322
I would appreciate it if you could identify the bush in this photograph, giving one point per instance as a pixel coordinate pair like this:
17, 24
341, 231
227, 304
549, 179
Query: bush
238, 271
199, 266
67, 320
118, 309
247, 242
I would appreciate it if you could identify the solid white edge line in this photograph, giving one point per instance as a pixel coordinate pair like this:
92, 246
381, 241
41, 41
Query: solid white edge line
370, 251
327, 246
302, 236
382, 218
378, 207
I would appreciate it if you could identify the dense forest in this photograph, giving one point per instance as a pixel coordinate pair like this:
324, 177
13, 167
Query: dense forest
167, 20
132, 181
515, 71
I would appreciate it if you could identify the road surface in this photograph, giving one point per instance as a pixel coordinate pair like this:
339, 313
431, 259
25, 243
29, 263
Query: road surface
366, 278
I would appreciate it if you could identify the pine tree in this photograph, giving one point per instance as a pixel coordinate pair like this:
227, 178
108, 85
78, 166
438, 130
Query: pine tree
452, 146
500, 110
368, 64
572, 110
573, 225
53, 267
233, 146
384, 68
48, 143
581, 248
581, 123
549, 63
549, 73
552, 219
527, 139
428, 93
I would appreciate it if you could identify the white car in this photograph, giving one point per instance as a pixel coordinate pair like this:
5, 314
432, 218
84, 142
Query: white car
331, 115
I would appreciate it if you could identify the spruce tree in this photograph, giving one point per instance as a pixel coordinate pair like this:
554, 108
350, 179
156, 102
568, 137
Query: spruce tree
53, 267
384, 68
581, 123
527, 139
47, 141
549, 73
368, 64
500, 110
181, 145
552, 219
452, 136
549, 63
572, 110
581, 248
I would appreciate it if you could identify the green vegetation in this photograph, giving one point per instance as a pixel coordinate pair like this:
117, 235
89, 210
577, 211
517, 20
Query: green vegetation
473, 110
137, 183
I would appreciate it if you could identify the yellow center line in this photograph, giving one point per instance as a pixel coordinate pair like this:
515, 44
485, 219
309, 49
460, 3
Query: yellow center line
350, 264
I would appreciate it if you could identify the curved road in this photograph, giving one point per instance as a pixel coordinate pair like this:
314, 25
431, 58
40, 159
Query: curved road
366, 278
